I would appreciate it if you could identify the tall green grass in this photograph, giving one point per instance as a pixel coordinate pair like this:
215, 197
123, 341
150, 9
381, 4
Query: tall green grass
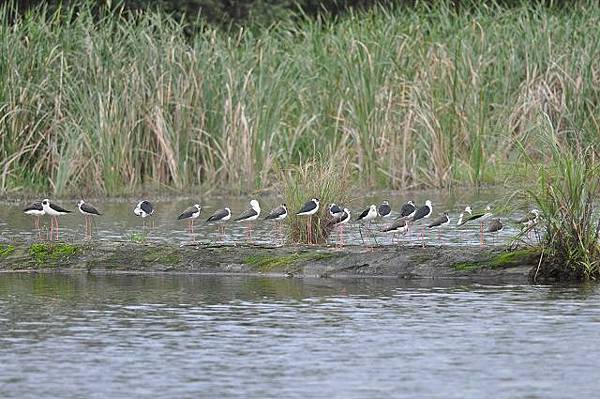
412, 97
329, 182
566, 193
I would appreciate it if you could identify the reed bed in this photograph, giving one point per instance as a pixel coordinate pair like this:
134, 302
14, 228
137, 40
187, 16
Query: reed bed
409, 98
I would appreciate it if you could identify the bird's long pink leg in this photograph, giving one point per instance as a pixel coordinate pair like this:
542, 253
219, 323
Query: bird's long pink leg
282, 233
481, 242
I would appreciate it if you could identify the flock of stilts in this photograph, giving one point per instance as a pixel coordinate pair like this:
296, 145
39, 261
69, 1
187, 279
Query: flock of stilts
336, 216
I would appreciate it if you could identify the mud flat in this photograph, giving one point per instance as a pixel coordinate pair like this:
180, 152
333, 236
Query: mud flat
490, 265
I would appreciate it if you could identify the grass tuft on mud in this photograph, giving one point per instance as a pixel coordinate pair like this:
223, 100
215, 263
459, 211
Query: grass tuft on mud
566, 193
46, 254
6, 249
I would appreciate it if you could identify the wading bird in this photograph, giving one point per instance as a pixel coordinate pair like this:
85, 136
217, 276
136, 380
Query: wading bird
399, 226
220, 216
495, 227
340, 220
530, 221
368, 215
464, 215
191, 214
144, 209
440, 221
37, 210
423, 213
278, 214
309, 209
88, 213
408, 210
54, 211
481, 216
384, 210
249, 215
334, 210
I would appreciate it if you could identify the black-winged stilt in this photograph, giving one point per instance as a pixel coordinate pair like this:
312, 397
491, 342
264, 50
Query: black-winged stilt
340, 219
54, 211
440, 221
384, 210
249, 215
368, 215
88, 213
481, 216
423, 212
37, 210
190, 214
407, 210
469, 216
464, 215
220, 216
309, 209
143, 209
334, 210
495, 226
278, 214
399, 226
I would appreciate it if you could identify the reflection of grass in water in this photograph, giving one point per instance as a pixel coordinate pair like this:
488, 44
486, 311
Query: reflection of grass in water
254, 287
49, 284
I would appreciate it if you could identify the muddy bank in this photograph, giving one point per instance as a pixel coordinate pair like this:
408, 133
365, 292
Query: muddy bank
473, 264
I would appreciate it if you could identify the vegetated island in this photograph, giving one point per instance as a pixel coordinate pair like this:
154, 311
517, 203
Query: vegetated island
471, 264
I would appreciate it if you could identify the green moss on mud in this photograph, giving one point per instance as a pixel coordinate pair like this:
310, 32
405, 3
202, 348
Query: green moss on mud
162, 256
504, 259
513, 258
467, 266
268, 263
47, 254
6, 249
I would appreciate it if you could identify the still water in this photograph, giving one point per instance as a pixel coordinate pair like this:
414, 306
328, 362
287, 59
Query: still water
120, 224
132, 336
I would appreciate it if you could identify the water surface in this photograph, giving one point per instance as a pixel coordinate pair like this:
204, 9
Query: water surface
123, 336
